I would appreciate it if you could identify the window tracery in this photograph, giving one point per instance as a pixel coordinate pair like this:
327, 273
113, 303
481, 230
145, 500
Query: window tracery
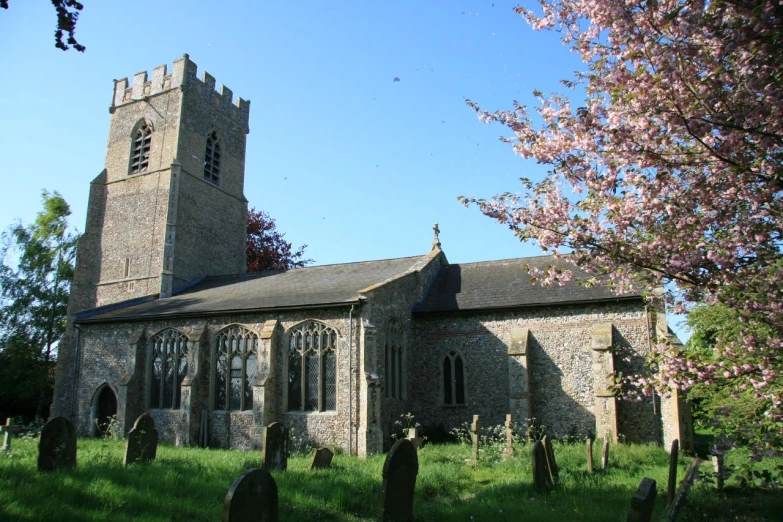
140, 149
453, 373
169, 366
236, 368
212, 159
312, 368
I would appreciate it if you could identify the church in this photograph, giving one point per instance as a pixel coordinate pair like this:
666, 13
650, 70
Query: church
163, 318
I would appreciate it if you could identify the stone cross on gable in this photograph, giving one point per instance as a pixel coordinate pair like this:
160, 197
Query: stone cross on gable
8, 430
436, 239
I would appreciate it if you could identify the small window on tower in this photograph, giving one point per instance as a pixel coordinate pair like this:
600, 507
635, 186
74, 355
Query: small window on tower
126, 271
140, 151
212, 159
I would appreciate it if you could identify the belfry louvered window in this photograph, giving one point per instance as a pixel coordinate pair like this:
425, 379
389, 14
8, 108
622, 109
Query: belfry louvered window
393, 352
312, 368
140, 151
169, 367
212, 159
236, 368
453, 379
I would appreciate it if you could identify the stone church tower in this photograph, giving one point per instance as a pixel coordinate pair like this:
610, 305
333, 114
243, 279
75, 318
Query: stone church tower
169, 206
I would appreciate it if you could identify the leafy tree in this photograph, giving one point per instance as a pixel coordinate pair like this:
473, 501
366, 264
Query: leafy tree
67, 15
670, 173
266, 247
35, 274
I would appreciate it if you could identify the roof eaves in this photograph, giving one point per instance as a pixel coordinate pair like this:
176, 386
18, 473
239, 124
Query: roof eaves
420, 310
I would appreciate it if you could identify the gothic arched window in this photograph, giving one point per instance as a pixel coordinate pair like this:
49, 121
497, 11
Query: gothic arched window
453, 368
140, 149
212, 159
169, 366
236, 368
393, 352
312, 367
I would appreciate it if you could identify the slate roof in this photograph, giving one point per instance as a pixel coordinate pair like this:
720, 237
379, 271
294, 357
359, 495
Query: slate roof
315, 286
505, 284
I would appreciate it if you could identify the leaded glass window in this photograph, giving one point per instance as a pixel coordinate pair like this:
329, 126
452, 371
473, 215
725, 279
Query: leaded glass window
393, 350
140, 149
453, 379
312, 368
236, 368
169, 367
212, 159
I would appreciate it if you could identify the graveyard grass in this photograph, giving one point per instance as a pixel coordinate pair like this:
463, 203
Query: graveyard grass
191, 484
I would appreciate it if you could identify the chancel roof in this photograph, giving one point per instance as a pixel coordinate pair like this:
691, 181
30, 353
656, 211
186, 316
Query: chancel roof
506, 284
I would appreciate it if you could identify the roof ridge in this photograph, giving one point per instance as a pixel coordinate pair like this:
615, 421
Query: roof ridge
496, 261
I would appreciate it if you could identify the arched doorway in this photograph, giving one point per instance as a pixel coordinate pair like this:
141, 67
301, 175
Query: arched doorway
105, 410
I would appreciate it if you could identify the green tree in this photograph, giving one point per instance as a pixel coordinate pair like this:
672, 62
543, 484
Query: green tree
67, 16
37, 263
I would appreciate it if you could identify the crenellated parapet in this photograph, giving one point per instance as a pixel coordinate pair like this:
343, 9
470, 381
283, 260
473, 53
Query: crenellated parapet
183, 76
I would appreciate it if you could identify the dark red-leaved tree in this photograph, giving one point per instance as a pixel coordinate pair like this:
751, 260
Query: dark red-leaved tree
266, 247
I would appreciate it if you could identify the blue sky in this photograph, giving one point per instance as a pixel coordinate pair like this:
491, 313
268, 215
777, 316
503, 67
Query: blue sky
348, 161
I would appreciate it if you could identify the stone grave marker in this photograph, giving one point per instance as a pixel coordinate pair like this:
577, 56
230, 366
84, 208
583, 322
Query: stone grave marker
643, 501
589, 455
605, 456
399, 482
57, 445
8, 430
508, 453
322, 458
251, 498
413, 436
476, 436
551, 464
275, 451
541, 476
719, 466
142, 442
672, 485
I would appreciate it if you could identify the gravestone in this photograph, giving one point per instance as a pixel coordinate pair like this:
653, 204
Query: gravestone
57, 445
413, 436
643, 502
399, 482
672, 485
550, 458
475, 435
720, 470
509, 424
275, 442
605, 456
8, 430
542, 479
251, 498
589, 455
142, 442
322, 458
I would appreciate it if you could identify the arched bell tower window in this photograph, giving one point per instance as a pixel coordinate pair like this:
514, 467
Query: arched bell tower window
236, 368
168, 368
453, 373
140, 149
212, 159
312, 368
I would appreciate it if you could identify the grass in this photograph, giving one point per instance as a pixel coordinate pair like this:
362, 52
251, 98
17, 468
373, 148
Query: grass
191, 484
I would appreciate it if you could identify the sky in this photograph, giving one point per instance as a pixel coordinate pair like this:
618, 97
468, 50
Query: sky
347, 160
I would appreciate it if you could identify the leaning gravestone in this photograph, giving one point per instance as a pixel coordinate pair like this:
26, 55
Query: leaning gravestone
275, 454
643, 502
672, 485
542, 479
589, 455
605, 456
476, 436
8, 430
251, 498
322, 458
551, 464
57, 445
142, 442
399, 482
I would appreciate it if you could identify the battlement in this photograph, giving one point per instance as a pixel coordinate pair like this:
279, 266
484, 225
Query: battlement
183, 76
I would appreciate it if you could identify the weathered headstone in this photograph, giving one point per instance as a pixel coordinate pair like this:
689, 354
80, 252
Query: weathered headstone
643, 501
399, 482
542, 479
275, 449
475, 436
251, 498
605, 456
413, 436
672, 485
509, 424
8, 430
57, 445
589, 455
322, 458
142, 442
551, 464
720, 470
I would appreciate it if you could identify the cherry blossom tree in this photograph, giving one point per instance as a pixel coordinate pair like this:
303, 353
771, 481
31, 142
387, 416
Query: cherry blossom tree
669, 174
266, 247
